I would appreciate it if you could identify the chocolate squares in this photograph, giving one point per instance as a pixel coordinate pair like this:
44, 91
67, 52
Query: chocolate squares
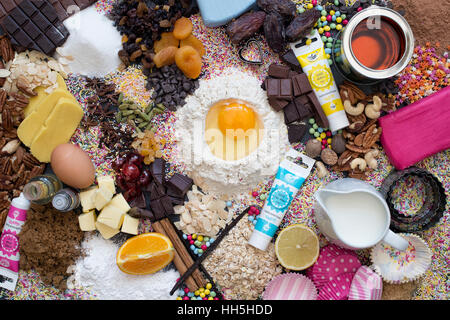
35, 25
297, 110
300, 84
279, 88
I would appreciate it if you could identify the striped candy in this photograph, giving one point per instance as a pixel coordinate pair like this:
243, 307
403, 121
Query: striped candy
366, 285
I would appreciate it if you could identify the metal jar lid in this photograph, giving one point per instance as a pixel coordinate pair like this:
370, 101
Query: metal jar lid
403, 25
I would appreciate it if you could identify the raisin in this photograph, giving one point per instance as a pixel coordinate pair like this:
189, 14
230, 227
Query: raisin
167, 40
274, 32
189, 61
245, 26
285, 8
302, 25
165, 57
182, 28
194, 43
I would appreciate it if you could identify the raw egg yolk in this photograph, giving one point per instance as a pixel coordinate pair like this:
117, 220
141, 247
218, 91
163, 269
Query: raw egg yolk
235, 116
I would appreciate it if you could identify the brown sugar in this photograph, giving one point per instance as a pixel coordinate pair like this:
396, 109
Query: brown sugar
50, 242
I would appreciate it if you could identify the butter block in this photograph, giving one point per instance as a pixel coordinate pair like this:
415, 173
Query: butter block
119, 201
111, 216
106, 231
106, 182
41, 94
87, 199
130, 225
102, 197
31, 125
87, 221
58, 128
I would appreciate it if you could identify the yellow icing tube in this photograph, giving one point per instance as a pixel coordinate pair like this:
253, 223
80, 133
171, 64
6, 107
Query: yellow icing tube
314, 62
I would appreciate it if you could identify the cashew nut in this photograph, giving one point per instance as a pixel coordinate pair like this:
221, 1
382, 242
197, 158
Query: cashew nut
373, 110
358, 162
353, 111
321, 170
370, 158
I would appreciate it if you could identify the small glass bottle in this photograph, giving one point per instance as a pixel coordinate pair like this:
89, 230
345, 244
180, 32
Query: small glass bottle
66, 200
41, 189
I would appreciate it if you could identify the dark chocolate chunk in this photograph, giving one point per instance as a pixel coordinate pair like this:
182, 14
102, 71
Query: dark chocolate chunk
167, 205
158, 209
290, 113
320, 116
278, 104
35, 25
156, 190
291, 60
279, 88
176, 200
180, 183
300, 84
303, 109
140, 213
279, 71
296, 132
158, 169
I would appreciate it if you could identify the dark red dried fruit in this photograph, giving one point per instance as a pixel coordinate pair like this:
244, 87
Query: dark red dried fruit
283, 7
245, 26
274, 32
302, 25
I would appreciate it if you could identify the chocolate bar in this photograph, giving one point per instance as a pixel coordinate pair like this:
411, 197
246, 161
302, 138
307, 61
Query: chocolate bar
156, 190
66, 8
278, 104
158, 169
174, 196
291, 60
297, 110
35, 25
300, 84
63, 7
141, 213
179, 183
296, 132
279, 71
279, 88
321, 118
158, 209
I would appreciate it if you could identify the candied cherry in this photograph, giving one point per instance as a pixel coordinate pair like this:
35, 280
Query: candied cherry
136, 159
144, 178
118, 163
130, 172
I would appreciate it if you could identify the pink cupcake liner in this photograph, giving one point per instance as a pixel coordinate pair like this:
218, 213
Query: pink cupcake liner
328, 268
327, 252
338, 288
290, 286
366, 285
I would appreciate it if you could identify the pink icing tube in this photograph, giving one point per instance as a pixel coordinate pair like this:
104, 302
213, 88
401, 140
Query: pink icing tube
9, 242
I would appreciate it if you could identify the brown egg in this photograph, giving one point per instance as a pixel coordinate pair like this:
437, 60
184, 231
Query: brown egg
72, 165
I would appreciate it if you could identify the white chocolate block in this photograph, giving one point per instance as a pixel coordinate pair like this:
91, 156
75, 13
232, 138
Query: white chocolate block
102, 197
111, 216
106, 231
130, 225
87, 221
106, 182
87, 199
119, 202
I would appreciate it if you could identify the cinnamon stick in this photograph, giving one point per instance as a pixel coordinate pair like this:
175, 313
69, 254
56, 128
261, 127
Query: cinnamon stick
181, 249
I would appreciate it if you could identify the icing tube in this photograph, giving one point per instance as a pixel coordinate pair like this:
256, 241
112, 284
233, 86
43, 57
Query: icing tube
9, 242
314, 62
292, 172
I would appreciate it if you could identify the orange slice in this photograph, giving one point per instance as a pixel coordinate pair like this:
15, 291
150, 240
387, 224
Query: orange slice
144, 254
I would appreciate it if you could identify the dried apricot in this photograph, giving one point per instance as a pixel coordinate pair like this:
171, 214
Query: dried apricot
189, 61
165, 57
194, 43
182, 28
167, 40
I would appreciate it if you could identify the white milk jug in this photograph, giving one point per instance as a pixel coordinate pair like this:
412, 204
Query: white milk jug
354, 215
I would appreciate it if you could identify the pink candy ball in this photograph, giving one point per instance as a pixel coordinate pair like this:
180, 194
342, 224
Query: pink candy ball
329, 18
191, 241
314, 2
189, 237
359, 9
327, 34
345, 22
204, 247
254, 194
185, 298
186, 290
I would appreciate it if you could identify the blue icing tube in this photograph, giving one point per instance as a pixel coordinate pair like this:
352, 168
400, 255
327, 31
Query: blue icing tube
292, 172
217, 13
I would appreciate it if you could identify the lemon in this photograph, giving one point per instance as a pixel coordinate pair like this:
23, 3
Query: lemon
297, 247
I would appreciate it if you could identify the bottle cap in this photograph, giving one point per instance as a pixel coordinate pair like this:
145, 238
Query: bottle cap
60, 201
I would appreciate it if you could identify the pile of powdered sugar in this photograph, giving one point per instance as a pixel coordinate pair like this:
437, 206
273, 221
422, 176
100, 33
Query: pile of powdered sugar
98, 272
210, 172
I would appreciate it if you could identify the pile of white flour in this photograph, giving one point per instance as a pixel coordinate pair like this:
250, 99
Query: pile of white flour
217, 175
98, 272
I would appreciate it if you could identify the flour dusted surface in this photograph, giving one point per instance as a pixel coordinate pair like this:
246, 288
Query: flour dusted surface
218, 175
98, 272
